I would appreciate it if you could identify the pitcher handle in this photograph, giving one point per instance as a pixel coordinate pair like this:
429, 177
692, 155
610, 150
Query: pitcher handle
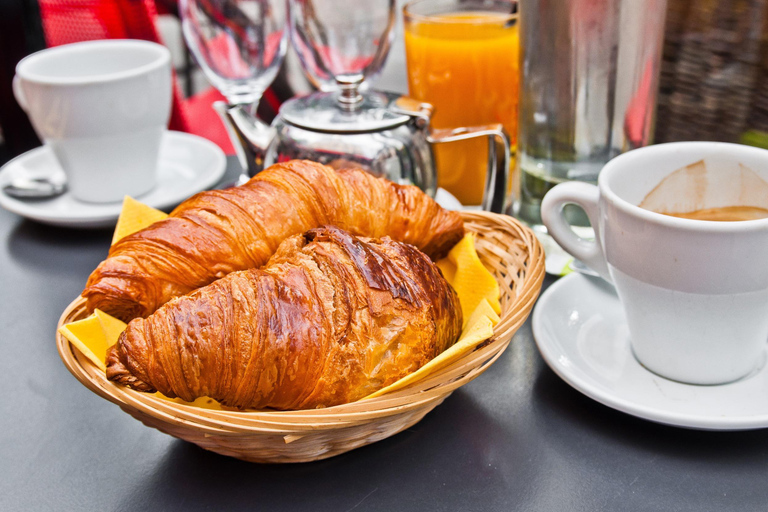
495, 192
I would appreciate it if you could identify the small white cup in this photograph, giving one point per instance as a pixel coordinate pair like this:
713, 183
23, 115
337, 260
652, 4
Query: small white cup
695, 292
102, 107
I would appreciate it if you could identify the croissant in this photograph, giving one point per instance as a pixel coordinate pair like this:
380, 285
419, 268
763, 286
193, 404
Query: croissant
217, 232
330, 319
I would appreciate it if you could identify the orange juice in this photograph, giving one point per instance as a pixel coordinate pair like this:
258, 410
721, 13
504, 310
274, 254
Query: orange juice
465, 65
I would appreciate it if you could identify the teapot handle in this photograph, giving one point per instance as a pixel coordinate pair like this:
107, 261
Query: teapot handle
494, 195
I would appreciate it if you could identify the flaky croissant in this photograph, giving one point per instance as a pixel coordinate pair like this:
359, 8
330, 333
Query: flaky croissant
331, 319
220, 231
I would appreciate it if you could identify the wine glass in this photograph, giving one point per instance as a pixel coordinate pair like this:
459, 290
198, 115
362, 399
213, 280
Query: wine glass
239, 44
340, 42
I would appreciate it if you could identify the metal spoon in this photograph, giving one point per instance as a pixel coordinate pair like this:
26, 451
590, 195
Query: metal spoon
40, 187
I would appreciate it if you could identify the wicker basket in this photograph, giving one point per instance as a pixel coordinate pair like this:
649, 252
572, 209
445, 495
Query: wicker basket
509, 250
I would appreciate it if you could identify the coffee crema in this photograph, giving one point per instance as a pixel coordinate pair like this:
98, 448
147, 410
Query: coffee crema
723, 214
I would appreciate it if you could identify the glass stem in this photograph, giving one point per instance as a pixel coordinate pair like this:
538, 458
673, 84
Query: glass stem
349, 97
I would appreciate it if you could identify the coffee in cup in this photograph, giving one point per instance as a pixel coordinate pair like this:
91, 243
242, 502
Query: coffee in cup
735, 190
724, 214
102, 107
695, 291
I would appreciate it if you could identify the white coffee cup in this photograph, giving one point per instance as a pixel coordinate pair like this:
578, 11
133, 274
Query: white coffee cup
695, 292
102, 107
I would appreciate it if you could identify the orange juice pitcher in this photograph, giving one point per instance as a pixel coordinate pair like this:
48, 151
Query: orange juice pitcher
462, 58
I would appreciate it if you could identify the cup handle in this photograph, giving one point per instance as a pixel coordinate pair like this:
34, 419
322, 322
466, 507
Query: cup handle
495, 192
17, 92
587, 197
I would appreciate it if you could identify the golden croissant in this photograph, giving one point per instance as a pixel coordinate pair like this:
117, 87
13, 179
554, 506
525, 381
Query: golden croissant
217, 232
330, 319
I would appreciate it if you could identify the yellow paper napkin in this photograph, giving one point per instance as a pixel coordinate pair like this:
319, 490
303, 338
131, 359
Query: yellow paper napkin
471, 280
135, 216
91, 338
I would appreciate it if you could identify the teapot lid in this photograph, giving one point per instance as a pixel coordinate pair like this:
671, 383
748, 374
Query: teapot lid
322, 111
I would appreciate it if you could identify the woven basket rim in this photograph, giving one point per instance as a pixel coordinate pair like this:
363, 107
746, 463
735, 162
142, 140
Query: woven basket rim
427, 392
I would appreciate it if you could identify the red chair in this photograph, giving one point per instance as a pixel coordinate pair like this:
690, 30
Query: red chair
69, 21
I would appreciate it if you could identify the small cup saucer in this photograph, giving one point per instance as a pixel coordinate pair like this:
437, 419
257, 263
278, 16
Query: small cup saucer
581, 331
188, 164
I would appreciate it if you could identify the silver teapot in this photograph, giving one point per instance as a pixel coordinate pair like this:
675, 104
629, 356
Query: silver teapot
385, 133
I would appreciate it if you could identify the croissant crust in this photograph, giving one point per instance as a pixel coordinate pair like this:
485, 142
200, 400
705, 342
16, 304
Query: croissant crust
220, 231
331, 319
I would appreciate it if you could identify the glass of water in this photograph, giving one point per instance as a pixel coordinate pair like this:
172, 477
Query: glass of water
239, 44
589, 85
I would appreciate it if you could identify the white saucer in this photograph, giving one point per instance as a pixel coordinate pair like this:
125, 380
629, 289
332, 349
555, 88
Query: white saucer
581, 332
188, 164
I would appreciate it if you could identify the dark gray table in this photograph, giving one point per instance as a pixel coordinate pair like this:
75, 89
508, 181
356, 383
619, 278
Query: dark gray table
517, 438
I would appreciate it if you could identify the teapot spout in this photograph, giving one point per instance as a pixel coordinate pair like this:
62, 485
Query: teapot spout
250, 136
